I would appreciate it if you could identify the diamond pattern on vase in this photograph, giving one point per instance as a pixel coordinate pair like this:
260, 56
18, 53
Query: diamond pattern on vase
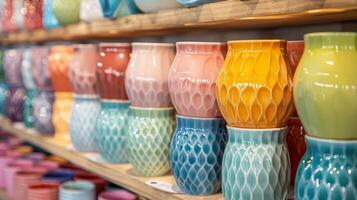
40, 69
254, 88
149, 136
29, 118
26, 72
328, 170
12, 64
256, 164
3, 92
14, 103
42, 109
196, 154
111, 131
62, 109
85, 111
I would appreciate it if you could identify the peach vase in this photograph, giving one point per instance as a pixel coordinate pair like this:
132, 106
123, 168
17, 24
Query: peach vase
254, 89
62, 109
146, 79
192, 79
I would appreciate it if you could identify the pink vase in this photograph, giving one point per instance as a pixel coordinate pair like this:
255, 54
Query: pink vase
40, 69
10, 171
12, 65
82, 69
146, 80
192, 78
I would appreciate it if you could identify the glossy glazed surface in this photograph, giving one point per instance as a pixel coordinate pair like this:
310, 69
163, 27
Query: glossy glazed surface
8, 18
328, 170
3, 93
256, 164
75, 190
193, 3
58, 62
49, 20
155, 5
14, 103
2, 70
40, 68
12, 65
28, 115
91, 10
325, 86
146, 79
118, 8
196, 154
112, 63
111, 131
149, 137
192, 78
62, 109
67, 11
42, 109
33, 14
26, 71
110, 7
254, 89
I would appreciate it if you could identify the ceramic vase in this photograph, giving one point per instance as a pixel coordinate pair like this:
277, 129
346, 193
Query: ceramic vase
14, 103
62, 109
193, 3
254, 88
74, 190
324, 86
40, 68
67, 11
12, 65
126, 7
82, 70
43, 108
33, 14
26, 72
256, 164
28, 115
7, 20
196, 154
111, 131
192, 78
146, 79
91, 10
149, 136
112, 63
2, 70
328, 170
155, 5
116, 8
18, 13
3, 93
49, 20
82, 123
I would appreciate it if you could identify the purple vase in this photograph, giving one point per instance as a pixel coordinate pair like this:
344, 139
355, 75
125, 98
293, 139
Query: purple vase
40, 69
14, 103
42, 109
12, 64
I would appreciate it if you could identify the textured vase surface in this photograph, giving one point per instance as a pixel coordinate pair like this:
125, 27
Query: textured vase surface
3, 93
192, 78
112, 63
73, 190
156, 5
126, 7
328, 170
26, 70
29, 118
196, 154
149, 135
91, 10
49, 20
112, 131
43, 109
254, 88
146, 79
12, 65
324, 86
67, 11
82, 70
62, 109
33, 14
256, 164
193, 3
40, 68
14, 103
118, 8
85, 111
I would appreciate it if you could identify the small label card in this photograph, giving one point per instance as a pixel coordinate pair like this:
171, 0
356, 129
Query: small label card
167, 187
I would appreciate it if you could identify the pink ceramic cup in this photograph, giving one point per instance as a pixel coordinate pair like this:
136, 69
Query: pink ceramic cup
146, 79
4, 161
117, 195
50, 165
23, 179
42, 190
192, 78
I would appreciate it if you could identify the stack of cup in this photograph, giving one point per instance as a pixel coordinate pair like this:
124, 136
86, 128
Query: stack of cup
58, 176
151, 116
117, 195
75, 190
99, 183
23, 179
48, 191
3, 84
192, 83
86, 105
111, 127
254, 94
59, 61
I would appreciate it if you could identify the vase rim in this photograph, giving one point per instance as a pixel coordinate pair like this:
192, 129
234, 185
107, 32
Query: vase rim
201, 43
295, 41
256, 129
152, 108
86, 96
114, 44
255, 41
320, 34
84, 46
331, 141
115, 101
152, 44
199, 118
73, 186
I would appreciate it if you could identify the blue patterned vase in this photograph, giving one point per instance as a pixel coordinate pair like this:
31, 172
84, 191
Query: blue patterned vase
111, 131
3, 92
328, 170
49, 20
29, 118
196, 154
117, 8
42, 111
149, 135
85, 111
256, 164
26, 72
14, 103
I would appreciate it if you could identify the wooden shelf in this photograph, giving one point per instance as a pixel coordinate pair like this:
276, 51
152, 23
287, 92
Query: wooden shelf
252, 14
123, 175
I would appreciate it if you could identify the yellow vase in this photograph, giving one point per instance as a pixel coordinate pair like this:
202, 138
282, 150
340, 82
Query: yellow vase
254, 88
62, 109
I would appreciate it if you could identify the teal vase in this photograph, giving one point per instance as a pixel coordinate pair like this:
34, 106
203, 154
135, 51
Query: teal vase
29, 118
111, 131
149, 135
3, 92
256, 164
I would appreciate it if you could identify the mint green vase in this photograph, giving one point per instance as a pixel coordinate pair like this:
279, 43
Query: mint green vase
149, 136
29, 118
67, 11
111, 131
325, 86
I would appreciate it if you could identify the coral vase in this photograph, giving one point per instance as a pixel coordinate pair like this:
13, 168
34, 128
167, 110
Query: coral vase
146, 79
111, 67
14, 103
7, 22
12, 65
33, 14
49, 20
62, 108
325, 86
256, 164
192, 78
40, 68
43, 109
198, 142
254, 88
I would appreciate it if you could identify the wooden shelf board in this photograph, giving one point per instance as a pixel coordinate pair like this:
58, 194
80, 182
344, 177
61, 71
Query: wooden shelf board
252, 14
123, 175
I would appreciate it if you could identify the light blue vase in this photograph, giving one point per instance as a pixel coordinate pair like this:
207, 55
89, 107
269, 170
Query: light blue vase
328, 170
196, 154
49, 20
256, 165
85, 111
118, 8
149, 135
29, 118
111, 131
26, 72
3, 92
77, 190
193, 3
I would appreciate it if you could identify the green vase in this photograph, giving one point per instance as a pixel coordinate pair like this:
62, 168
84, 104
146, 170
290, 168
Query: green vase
67, 11
2, 71
325, 86
149, 136
29, 118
